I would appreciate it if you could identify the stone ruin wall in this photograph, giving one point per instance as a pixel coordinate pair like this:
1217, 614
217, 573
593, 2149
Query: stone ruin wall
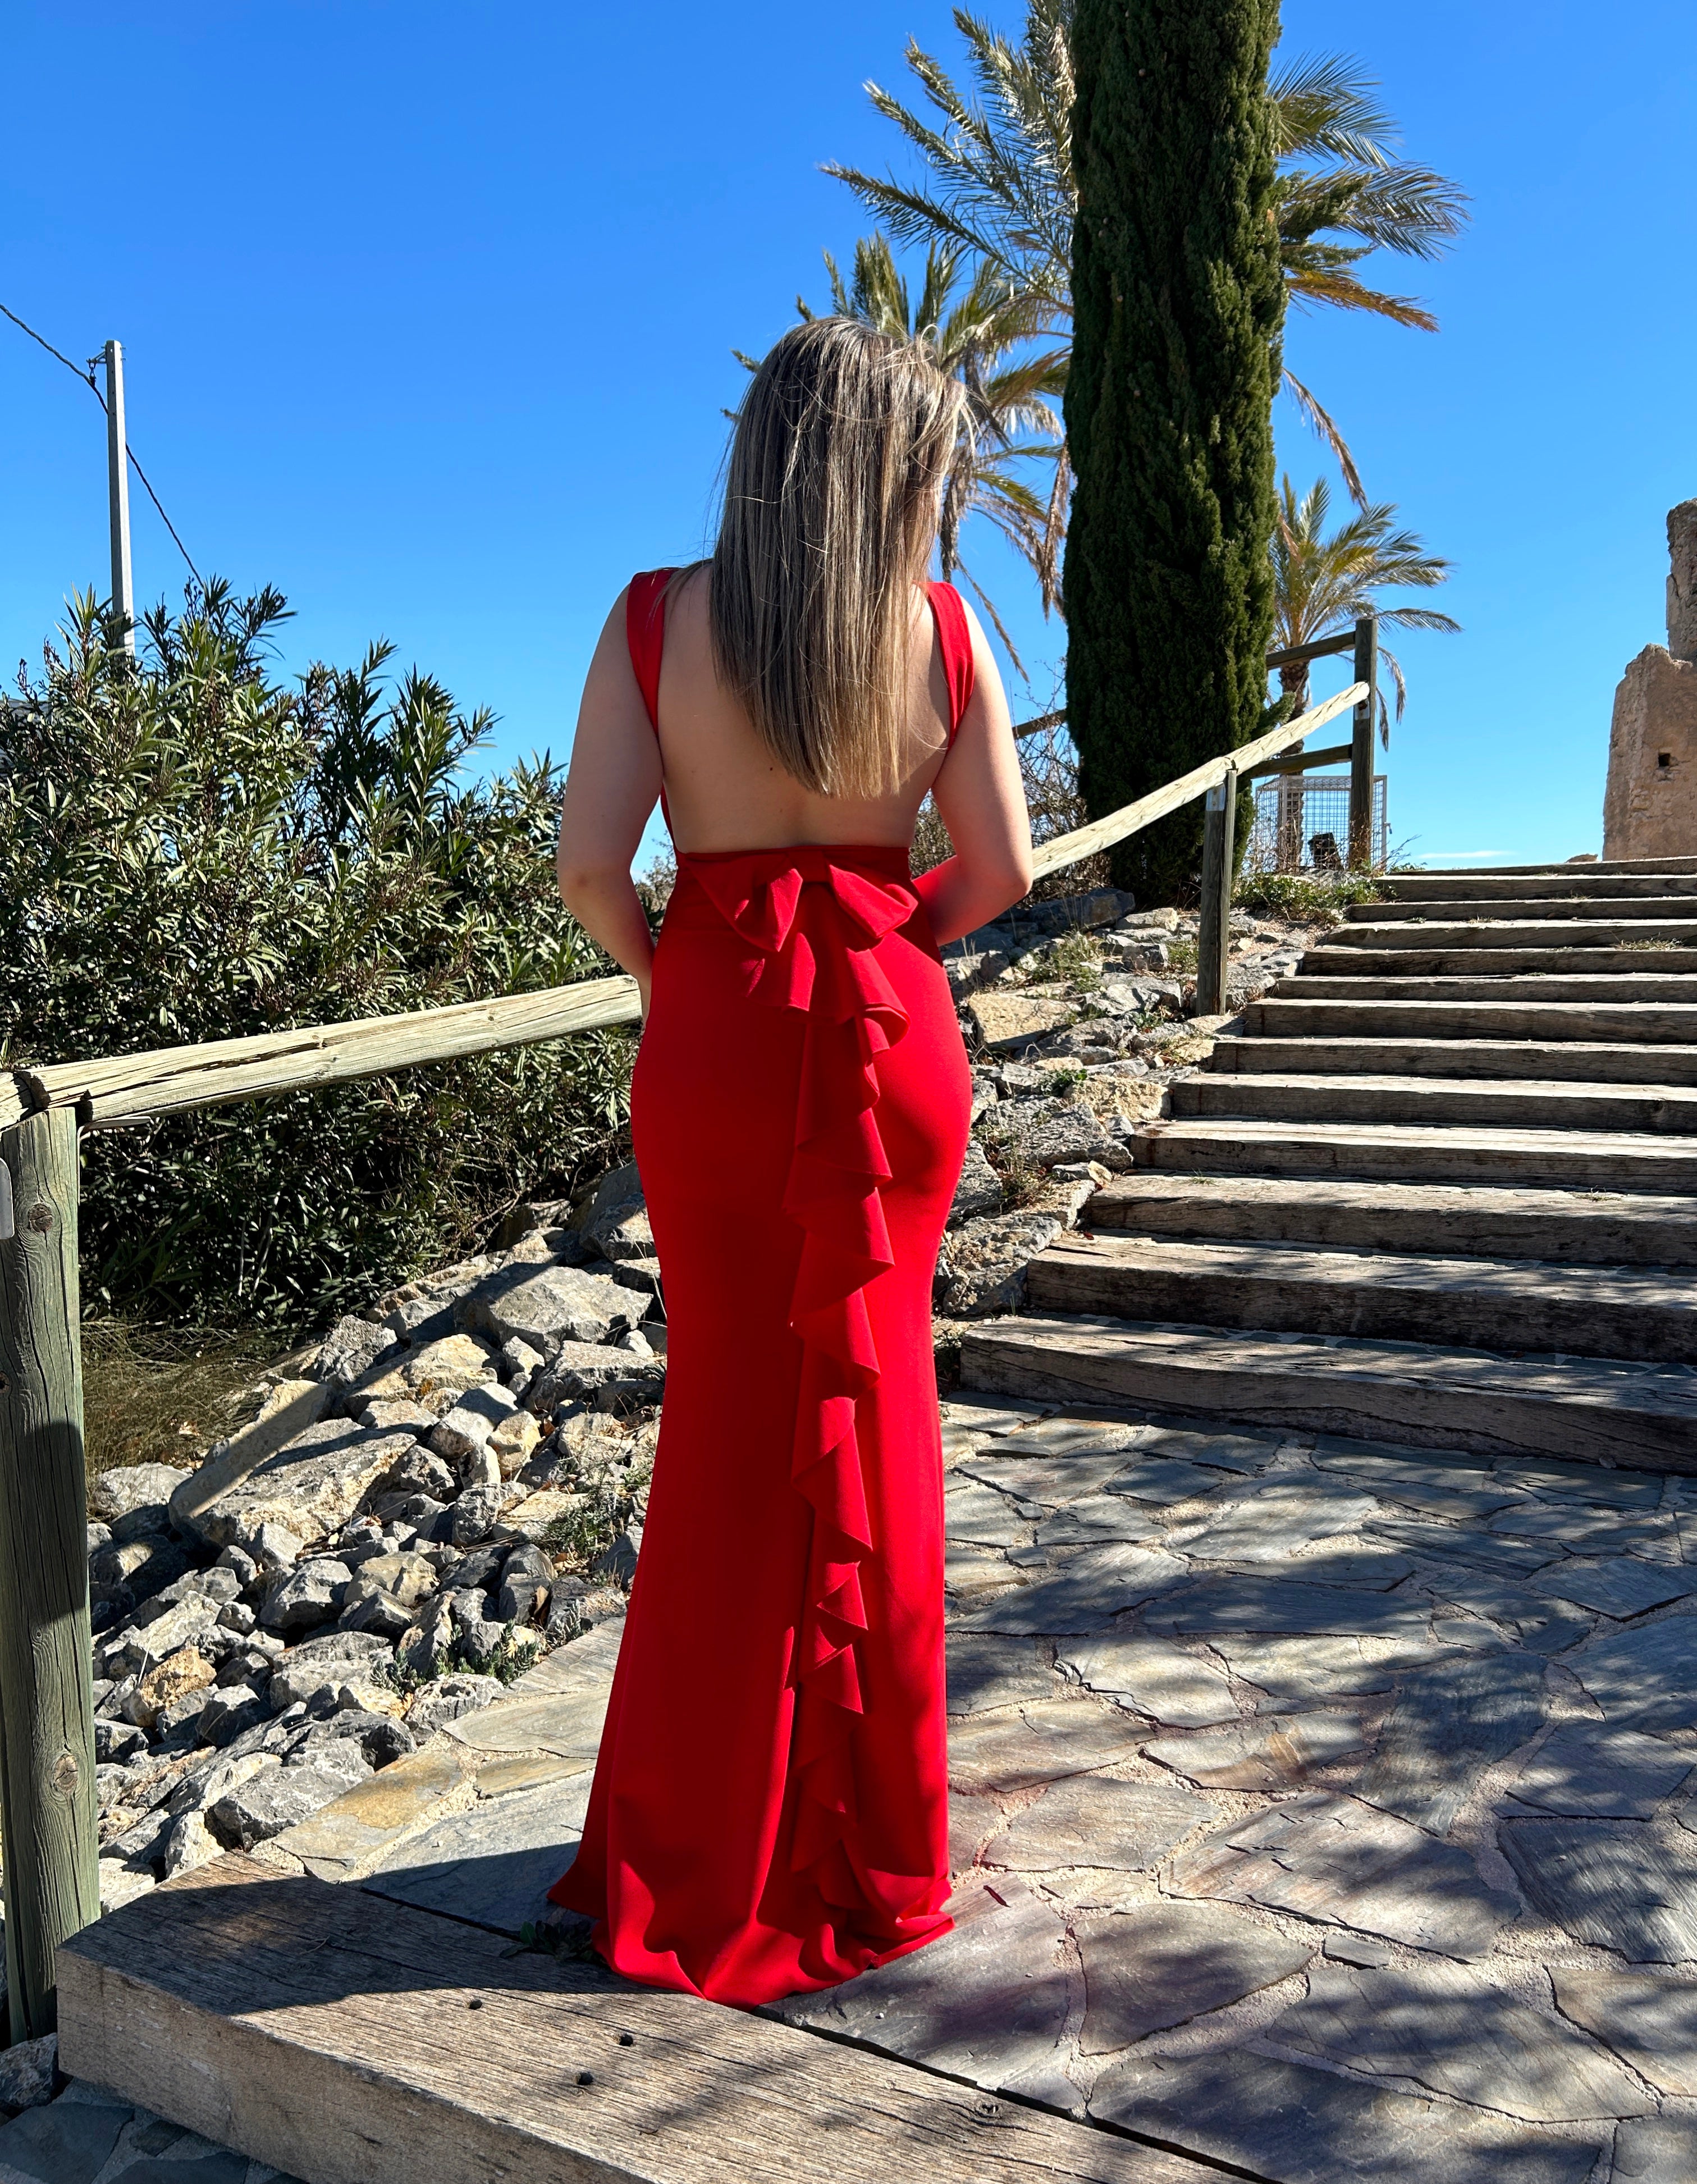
1649, 808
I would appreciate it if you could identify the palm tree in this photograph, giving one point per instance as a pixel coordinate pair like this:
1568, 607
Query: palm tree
1322, 584
1008, 421
1000, 181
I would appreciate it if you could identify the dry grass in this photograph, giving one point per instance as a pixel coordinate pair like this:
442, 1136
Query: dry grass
164, 1395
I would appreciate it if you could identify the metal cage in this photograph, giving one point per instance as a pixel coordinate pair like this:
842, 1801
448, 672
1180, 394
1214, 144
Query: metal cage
1302, 824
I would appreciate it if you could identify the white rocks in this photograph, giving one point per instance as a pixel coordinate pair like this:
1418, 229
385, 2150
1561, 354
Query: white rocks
476, 1514
465, 1428
275, 1800
292, 1406
434, 1376
28, 2072
132, 1486
582, 1370
311, 1593
310, 1487
448, 1698
350, 1349
514, 1442
982, 1268
547, 1308
980, 1188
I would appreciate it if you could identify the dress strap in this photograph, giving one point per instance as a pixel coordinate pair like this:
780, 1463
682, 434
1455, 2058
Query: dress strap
645, 632
955, 637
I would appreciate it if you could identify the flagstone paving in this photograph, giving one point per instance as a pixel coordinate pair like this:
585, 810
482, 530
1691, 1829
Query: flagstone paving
1323, 1810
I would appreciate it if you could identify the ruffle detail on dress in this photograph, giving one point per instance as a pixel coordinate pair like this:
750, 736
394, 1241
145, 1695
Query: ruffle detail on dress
813, 916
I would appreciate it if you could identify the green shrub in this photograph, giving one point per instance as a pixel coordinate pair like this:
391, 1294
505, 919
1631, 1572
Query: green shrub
1302, 895
192, 848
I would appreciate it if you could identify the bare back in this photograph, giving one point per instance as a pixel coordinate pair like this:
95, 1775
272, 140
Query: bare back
724, 788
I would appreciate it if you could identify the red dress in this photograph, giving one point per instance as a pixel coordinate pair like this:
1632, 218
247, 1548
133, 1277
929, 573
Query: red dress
770, 1812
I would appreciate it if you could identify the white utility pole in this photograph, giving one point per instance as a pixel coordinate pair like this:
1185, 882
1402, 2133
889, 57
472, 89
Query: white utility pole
118, 475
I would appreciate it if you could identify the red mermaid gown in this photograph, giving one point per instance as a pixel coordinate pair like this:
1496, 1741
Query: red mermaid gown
768, 1813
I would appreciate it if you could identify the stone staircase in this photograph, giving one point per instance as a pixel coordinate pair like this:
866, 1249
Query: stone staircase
1439, 1188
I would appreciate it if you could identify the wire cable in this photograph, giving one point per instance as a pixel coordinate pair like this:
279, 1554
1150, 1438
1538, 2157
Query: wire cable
86, 375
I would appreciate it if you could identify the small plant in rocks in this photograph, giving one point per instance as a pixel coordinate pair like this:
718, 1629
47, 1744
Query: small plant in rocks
1077, 958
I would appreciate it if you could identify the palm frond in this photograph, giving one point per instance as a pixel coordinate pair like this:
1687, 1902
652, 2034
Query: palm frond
1322, 422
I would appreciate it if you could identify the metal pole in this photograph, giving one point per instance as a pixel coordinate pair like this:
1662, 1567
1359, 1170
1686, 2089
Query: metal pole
1214, 938
118, 487
1360, 850
47, 1811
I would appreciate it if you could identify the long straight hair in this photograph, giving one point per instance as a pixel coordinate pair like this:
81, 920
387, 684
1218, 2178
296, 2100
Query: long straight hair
842, 445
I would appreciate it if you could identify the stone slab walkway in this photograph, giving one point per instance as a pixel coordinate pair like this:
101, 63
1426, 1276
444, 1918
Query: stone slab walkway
1322, 1810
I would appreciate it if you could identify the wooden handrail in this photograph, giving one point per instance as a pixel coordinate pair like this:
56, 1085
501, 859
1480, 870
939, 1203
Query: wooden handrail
170, 1080
1132, 818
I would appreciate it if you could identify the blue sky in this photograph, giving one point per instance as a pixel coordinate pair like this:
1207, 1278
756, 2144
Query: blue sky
429, 312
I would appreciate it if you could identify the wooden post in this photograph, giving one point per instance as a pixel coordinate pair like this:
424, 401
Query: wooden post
47, 1814
1213, 941
1361, 746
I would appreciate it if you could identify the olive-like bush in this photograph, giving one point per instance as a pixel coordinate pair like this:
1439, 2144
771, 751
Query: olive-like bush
192, 847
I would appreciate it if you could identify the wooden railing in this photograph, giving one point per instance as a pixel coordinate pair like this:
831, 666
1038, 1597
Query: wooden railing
48, 1803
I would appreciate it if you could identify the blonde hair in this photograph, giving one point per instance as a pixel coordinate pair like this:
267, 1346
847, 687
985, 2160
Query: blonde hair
841, 446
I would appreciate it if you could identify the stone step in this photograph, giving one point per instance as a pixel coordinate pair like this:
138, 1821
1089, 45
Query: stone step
1491, 974
1514, 1305
1627, 1024
1582, 881
1550, 1061
1638, 1416
1512, 1104
1576, 1228
1539, 909
1577, 1160
1447, 932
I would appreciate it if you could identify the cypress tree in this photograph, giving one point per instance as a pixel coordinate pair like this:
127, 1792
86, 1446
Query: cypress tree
1178, 303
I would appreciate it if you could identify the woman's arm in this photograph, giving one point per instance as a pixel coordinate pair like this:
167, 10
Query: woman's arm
980, 799
613, 786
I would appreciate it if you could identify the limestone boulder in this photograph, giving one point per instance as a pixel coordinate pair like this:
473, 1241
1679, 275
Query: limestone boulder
309, 1594
182, 1672
310, 1487
1003, 1023
291, 1408
434, 1374
549, 1306
982, 1269
979, 1190
350, 1349
467, 1426
116, 1494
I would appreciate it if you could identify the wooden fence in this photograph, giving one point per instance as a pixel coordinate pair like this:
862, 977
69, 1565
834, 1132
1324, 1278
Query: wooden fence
48, 1836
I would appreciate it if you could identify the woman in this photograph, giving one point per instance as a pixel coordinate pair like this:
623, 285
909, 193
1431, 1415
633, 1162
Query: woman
769, 1812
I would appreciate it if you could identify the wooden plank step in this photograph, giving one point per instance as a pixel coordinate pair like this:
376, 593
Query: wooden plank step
1514, 1305
1635, 1415
1576, 1159
1515, 932
1539, 909
1582, 881
1576, 1228
1546, 1062
352, 2041
1329, 974
1645, 1108
1629, 1023
1591, 865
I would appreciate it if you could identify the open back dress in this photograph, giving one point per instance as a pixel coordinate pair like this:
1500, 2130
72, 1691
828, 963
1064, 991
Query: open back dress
769, 1812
